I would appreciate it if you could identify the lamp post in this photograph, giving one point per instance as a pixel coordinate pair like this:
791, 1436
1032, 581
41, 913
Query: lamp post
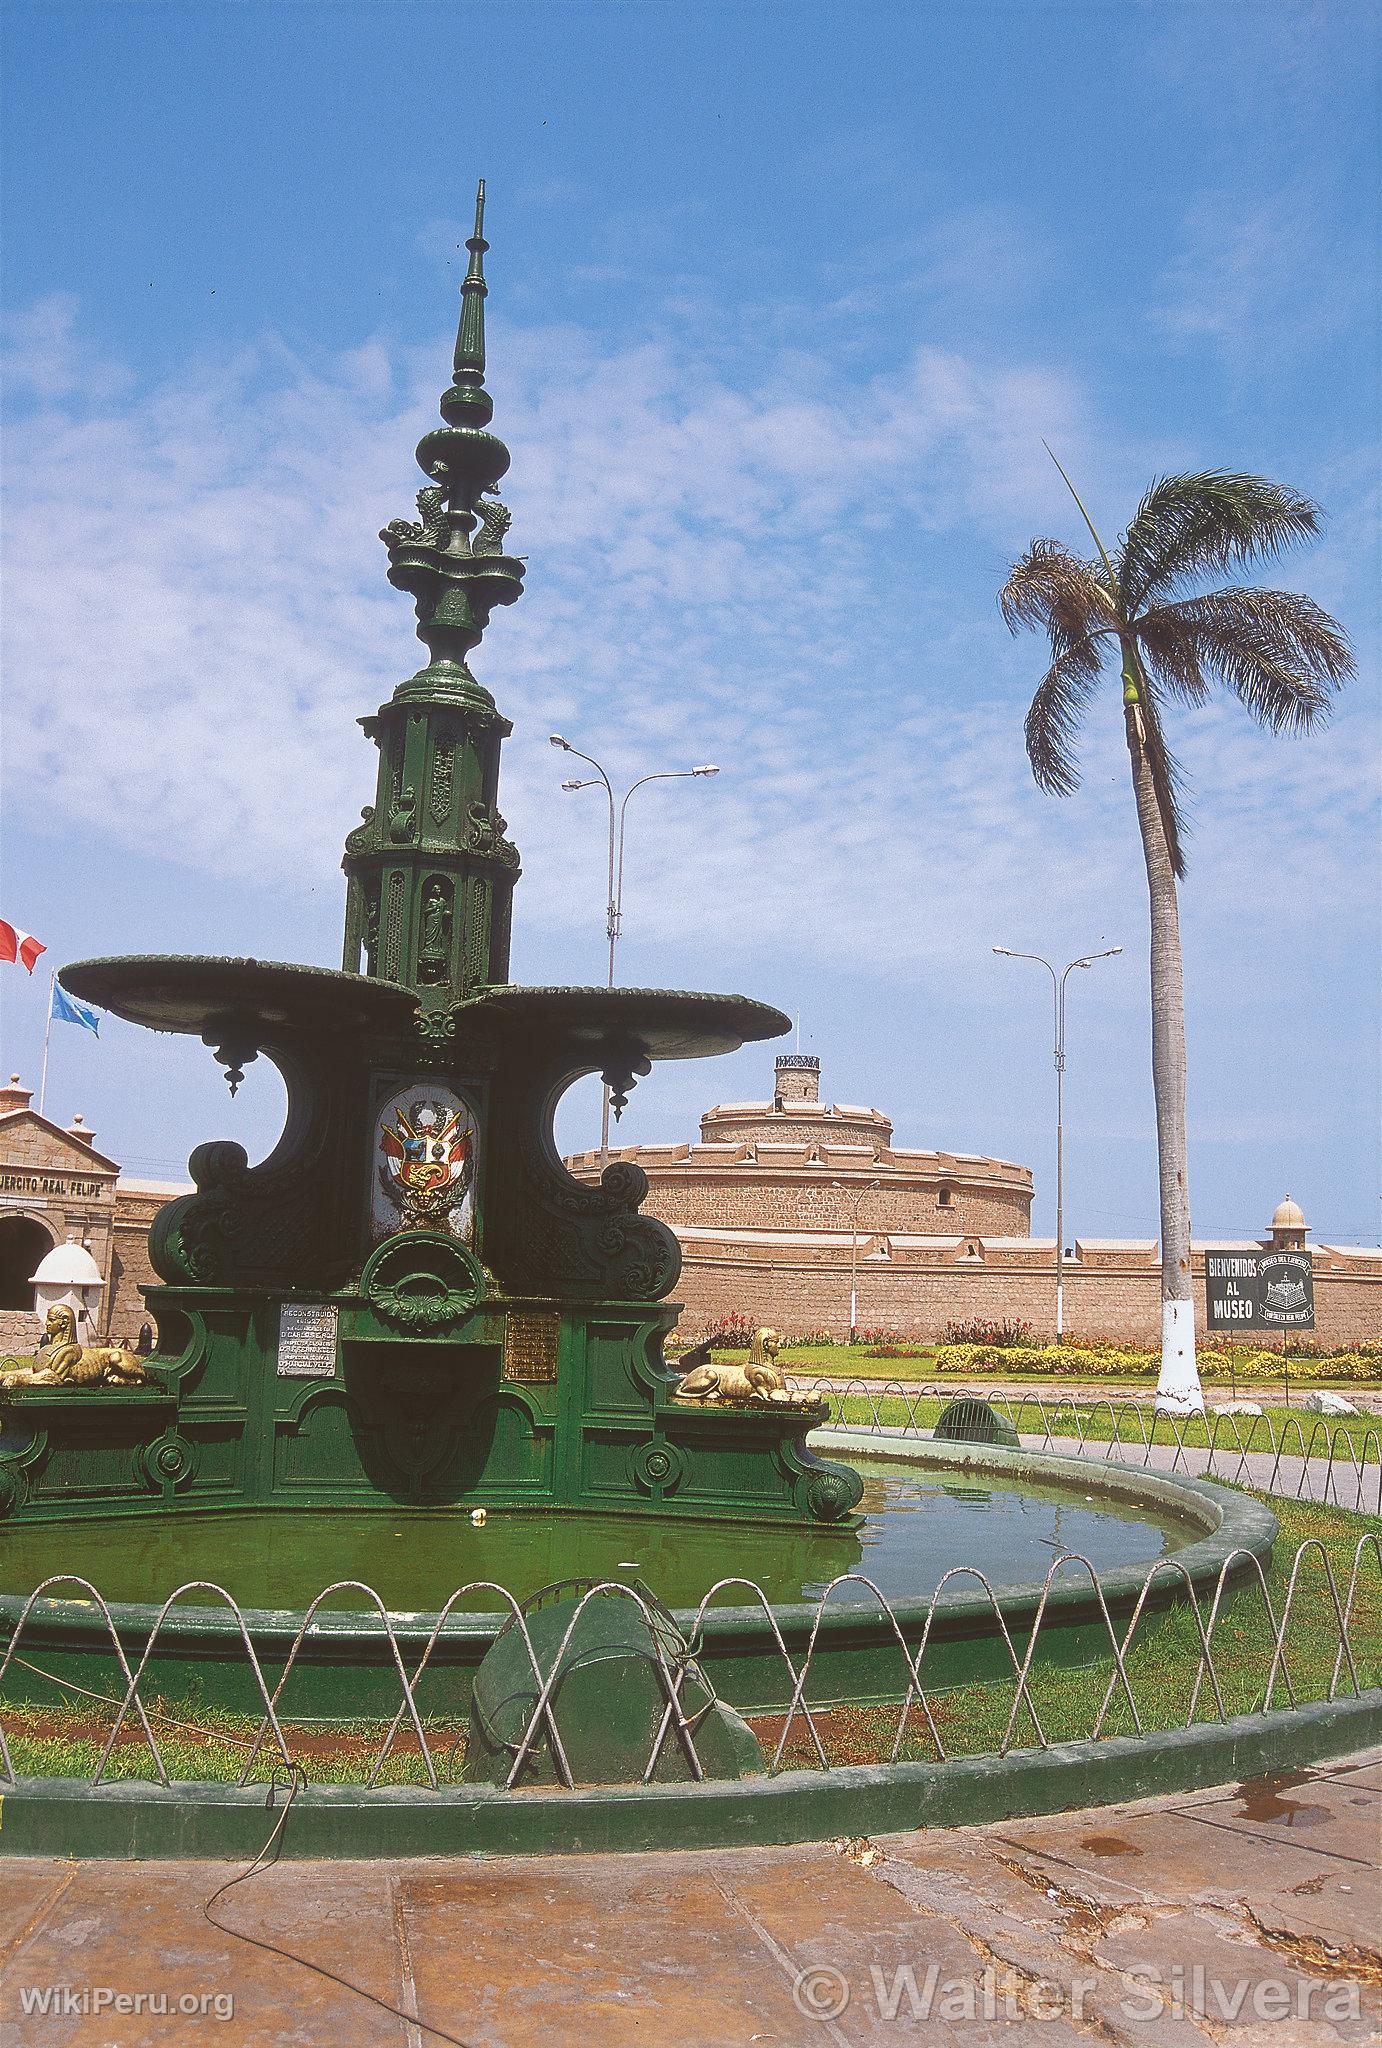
1058, 981
856, 1202
614, 890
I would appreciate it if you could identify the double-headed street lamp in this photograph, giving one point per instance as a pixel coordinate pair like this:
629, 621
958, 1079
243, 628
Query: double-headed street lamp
1058, 991
855, 1202
614, 895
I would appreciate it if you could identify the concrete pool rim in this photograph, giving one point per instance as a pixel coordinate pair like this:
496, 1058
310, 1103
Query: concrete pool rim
133, 1819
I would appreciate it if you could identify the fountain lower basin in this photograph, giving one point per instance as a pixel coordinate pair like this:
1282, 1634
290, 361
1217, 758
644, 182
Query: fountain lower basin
929, 1508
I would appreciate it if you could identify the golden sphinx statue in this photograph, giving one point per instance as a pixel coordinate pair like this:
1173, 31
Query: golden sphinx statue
757, 1380
66, 1363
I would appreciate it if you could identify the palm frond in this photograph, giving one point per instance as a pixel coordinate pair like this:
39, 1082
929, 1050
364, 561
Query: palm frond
1280, 654
1053, 717
1171, 654
1053, 589
1192, 525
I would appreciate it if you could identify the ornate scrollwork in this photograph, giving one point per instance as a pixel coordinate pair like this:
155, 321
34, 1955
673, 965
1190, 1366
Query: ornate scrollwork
625, 1183
21, 1446
588, 1240
402, 813
483, 826
422, 1283
657, 1468
169, 1463
435, 1027
265, 1225
833, 1493
362, 838
241, 1225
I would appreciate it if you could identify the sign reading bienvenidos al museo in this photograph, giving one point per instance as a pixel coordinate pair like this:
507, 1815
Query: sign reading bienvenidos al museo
1259, 1290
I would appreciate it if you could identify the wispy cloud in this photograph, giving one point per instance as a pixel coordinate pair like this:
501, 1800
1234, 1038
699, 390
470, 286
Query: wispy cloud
1262, 275
767, 568
45, 356
196, 598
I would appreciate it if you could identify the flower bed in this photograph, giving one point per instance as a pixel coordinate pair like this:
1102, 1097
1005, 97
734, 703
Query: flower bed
1119, 1361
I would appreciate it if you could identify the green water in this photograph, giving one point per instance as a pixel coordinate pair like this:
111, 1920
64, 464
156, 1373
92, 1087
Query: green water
918, 1524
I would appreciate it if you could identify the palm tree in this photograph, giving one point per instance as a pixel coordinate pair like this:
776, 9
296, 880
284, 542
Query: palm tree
1278, 653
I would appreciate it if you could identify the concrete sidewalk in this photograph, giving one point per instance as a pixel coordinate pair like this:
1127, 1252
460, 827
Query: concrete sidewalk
1338, 1482
1139, 1393
1247, 1915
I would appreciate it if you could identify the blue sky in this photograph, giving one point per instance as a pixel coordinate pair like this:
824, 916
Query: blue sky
783, 302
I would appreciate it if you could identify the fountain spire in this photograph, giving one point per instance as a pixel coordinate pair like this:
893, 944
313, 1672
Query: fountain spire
430, 871
470, 335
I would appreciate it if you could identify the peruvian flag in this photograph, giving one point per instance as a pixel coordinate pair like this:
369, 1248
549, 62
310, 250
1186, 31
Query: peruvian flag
20, 946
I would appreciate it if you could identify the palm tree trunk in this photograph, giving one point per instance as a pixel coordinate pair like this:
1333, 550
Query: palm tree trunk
1178, 1386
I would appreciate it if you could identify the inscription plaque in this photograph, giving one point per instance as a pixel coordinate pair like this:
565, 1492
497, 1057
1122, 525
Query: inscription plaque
530, 1346
307, 1340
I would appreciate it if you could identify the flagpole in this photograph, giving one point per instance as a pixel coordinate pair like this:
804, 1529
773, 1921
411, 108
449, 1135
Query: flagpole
47, 1034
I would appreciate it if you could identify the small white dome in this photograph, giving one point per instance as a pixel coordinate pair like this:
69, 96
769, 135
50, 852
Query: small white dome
68, 1265
1288, 1215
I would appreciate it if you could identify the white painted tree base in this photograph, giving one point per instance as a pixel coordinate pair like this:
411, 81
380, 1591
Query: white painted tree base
1178, 1404
1178, 1388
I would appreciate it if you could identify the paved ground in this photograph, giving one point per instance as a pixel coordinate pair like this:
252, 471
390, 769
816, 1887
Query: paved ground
1339, 1481
1245, 1916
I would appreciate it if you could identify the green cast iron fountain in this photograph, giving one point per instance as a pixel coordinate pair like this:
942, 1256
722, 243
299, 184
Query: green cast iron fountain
410, 1301
390, 1350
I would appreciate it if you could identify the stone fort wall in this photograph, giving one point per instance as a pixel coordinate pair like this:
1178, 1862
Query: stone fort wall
800, 1282
782, 1204
773, 1207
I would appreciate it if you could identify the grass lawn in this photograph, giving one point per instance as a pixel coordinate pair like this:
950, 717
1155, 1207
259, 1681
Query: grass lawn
1161, 1665
1276, 1425
65, 1740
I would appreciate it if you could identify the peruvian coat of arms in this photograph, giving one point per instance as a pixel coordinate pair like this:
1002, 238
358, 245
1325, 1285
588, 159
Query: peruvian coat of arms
427, 1167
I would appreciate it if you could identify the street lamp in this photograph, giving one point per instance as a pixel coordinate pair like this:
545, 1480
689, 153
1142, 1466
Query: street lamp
1058, 991
614, 896
855, 1203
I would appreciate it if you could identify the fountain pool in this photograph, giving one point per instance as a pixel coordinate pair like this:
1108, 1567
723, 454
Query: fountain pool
917, 1522
928, 1509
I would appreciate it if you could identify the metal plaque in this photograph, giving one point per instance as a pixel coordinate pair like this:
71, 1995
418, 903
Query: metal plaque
307, 1340
530, 1346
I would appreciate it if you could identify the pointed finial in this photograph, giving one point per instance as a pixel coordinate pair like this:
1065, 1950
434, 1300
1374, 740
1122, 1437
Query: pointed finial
469, 364
456, 573
477, 241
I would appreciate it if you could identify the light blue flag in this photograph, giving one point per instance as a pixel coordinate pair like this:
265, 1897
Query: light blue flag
68, 1012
